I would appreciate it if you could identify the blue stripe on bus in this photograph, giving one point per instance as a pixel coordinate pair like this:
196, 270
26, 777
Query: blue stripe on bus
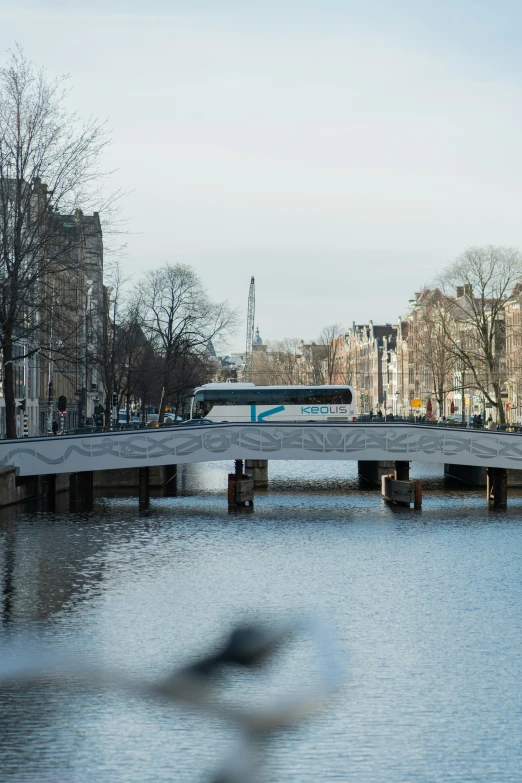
270, 412
255, 417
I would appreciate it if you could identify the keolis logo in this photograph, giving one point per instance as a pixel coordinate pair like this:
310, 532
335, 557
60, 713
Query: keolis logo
313, 410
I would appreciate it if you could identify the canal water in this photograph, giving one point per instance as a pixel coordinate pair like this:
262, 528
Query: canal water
426, 608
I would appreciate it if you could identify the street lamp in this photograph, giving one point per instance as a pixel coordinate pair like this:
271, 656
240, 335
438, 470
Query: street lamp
462, 399
82, 406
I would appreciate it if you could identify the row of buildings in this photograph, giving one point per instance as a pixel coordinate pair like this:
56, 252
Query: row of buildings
421, 365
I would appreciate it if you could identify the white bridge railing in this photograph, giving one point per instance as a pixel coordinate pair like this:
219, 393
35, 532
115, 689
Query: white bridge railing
207, 443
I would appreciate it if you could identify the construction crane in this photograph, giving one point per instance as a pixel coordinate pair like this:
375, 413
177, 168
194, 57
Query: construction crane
250, 328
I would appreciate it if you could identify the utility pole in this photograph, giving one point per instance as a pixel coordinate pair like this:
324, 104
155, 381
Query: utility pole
251, 314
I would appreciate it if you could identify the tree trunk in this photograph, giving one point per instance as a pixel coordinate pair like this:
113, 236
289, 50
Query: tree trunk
9, 392
108, 411
166, 386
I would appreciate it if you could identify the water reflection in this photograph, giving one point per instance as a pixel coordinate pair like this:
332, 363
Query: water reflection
428, 606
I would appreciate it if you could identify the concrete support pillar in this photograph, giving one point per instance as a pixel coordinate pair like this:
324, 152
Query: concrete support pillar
81, 491
468, 474
402, 470
170, 475
372, 471
240, 487
144, 487
49, 492
258, 469
497, 487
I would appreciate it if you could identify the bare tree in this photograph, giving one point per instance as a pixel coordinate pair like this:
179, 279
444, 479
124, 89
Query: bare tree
49, 162
180, 319
315, 362
110, 362
475, 289
332, 337
434, 357
189, 372
280, 364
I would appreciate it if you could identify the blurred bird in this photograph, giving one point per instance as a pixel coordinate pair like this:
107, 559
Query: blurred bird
194, 686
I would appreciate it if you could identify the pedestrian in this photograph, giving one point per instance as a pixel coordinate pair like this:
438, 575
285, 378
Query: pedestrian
55, 427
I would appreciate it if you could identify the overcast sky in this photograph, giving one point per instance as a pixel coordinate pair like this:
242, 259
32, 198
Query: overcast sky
341, 152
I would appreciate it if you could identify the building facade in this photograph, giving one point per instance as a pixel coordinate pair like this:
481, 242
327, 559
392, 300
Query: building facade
61, 323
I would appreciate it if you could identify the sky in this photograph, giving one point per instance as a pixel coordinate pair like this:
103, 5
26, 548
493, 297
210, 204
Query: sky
341, 152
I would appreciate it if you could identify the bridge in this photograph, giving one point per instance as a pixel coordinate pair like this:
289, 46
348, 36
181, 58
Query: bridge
284, 441
397, 443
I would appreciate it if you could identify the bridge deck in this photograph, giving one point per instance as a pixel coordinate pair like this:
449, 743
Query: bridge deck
206, 443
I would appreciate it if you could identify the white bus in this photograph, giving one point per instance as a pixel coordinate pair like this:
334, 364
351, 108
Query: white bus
223, 402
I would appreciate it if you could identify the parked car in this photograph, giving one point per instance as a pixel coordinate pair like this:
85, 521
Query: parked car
171, 418
196, 421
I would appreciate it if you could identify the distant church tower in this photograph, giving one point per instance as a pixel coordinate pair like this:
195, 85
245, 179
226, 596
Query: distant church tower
257, 338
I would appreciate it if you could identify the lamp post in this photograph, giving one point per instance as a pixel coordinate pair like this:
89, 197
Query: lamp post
82, 406
95, 402
463, 398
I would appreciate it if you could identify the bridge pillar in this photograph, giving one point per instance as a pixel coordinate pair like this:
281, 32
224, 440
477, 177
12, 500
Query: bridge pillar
144, 486
240, 487
49, 492
373, 471
467, 474
497, 487
402, 470
81, 491
258, 469
170, 475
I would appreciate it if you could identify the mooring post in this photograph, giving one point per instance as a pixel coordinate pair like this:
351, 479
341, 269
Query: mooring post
496, 487
258, 469
417, 503
240, 487
144, 486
